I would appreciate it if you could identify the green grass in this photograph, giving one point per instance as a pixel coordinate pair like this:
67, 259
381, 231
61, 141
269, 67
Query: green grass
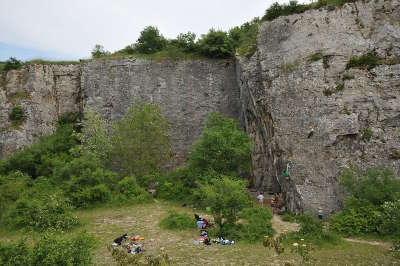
49, 62
2, 64
105, 224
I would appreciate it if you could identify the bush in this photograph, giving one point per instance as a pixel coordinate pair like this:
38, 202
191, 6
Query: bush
312, 230
356, 221
51, 212
376, 186
17, 114
176, 186
365, 61
390, 219
367, 134
293, 7
98, 51
223, 148
11, 64
40, 158
256, 224
216, 44
150, 41
50, 250
373, 203
277, 10
244, 38
178, 221
185, 42
129, 191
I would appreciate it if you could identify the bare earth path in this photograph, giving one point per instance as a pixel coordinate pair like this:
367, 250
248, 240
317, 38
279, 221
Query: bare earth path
282, 227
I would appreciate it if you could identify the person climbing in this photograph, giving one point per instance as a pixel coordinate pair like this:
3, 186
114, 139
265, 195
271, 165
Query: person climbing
311, 133
110, 104
260, 198
286, 173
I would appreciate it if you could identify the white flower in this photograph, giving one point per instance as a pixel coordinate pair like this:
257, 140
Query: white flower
302, 239
295, 244
303, 245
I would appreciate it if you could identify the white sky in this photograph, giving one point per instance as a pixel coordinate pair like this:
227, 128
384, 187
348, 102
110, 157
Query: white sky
73, 27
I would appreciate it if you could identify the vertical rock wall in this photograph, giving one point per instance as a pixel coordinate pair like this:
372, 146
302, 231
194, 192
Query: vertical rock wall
187, 92
44, 92
298, 77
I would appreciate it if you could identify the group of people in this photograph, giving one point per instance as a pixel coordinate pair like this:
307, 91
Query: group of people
203, 225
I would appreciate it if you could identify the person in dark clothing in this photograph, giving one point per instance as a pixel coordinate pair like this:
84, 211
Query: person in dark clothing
119, 240
311, 133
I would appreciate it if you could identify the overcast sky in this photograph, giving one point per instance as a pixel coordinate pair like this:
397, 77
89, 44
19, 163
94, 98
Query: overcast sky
68, 29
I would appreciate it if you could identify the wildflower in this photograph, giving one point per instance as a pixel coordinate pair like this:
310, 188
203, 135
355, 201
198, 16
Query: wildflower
302, 239
295, 244
303, 245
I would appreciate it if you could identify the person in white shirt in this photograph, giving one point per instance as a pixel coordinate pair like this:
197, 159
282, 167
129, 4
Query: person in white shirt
260, 198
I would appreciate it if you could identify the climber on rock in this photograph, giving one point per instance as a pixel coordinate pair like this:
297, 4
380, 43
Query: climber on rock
286, 173
311, 132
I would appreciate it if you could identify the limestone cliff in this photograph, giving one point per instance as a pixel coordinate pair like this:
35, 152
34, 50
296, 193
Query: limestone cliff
44, 92
185, 90
298, 77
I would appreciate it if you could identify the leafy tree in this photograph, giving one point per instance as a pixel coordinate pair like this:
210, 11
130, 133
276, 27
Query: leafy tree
377, 185
216, 44
94, 135
141, 141
226, 197
223, 147
98, 51
186, 41
150, 41
12, 63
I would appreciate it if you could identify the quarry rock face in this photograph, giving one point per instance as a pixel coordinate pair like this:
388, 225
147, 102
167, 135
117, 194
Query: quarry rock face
186, 91
298, 78
44, 92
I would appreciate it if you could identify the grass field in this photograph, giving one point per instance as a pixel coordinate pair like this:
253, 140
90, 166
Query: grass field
105, 224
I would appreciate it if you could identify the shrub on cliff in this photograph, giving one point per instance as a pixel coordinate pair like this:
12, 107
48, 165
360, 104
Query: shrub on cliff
185, 42
150, 41
11, 64
17, 114
244, 37
98, 51
216, 44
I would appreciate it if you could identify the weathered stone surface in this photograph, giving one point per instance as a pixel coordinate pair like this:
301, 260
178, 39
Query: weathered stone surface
283, 91
45, 92
187, 92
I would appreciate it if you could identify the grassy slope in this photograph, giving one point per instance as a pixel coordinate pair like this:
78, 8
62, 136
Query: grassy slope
105, 224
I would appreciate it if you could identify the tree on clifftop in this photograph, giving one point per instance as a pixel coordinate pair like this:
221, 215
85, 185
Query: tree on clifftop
150, 41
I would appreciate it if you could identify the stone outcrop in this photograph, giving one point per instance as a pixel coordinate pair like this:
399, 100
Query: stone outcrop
298, 77
44, 92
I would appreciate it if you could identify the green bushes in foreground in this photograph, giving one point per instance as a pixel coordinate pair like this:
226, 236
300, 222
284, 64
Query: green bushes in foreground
49, 250
373, 206
178, 221
311, 231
